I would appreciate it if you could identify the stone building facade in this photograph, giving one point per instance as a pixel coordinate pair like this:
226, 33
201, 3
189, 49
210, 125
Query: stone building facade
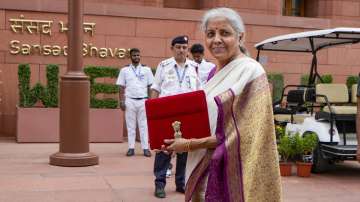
113, 26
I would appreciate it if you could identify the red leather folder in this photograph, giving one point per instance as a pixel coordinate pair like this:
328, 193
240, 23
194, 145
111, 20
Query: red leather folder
188, 108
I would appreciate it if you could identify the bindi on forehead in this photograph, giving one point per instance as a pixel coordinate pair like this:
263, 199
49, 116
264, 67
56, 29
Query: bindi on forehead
220, 28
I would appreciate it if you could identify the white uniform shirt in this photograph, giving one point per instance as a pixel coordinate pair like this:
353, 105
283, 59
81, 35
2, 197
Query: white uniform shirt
203, 71
171, 79
135, 80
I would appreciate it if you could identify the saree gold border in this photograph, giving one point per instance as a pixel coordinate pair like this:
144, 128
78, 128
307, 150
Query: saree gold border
258, 151
196, 175
231, 143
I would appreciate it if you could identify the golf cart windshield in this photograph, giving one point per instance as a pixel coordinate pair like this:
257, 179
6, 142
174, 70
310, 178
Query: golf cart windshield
311, 42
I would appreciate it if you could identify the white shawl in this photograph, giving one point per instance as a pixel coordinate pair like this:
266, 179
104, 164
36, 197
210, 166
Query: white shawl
234, 76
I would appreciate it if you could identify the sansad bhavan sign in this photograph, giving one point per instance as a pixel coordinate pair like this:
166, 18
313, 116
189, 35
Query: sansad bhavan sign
29, 26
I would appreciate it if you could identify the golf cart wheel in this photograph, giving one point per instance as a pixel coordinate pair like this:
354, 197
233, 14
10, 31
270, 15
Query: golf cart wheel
320, 164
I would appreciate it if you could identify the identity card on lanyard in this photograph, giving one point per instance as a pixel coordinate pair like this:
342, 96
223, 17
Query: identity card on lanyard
138, 73
180, 78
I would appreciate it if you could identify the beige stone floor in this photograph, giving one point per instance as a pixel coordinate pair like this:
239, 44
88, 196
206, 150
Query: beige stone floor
26, 176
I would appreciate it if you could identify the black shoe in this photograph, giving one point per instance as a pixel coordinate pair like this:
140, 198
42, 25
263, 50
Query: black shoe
147, 153
130, 152
180, 190
160, 192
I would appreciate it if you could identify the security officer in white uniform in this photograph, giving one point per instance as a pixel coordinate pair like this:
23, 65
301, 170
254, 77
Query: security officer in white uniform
204, 68
173, 76
135, 80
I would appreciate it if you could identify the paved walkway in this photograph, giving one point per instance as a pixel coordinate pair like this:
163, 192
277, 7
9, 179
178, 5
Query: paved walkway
26, 176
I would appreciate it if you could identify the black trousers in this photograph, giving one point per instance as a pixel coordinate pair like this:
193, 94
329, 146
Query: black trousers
162, 163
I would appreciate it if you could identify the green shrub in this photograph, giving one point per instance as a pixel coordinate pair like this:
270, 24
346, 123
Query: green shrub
295, 146
309, 143
304, 79
277, 81
279, 131
95, 88
297, 143
285, 148
327, 78
47, 94
153, 70
351, 80
25, 95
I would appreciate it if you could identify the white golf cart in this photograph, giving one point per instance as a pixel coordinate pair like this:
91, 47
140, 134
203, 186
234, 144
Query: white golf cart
338, 106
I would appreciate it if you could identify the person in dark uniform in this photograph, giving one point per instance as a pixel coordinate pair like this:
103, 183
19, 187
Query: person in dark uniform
173, 76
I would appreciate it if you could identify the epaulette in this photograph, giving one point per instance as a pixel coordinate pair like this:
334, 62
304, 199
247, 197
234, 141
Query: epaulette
193, 64
166, 62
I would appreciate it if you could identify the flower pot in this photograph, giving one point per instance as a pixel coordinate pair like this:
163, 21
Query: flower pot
285, 168
303, 169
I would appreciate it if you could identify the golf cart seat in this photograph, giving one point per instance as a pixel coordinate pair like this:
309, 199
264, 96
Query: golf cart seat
335, 98
295, 110
288, 118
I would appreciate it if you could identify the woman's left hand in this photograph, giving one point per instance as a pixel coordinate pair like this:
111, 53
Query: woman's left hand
178, 144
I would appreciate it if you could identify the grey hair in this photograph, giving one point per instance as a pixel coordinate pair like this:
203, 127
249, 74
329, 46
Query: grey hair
231, 15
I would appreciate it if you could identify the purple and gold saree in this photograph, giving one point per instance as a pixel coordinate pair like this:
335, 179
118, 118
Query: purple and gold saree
244, 165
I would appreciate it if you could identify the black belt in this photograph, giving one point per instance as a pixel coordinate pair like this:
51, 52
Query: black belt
139, 98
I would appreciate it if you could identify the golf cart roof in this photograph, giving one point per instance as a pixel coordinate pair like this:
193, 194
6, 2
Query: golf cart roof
311, 41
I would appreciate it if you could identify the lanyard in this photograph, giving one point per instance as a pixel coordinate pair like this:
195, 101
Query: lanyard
180, 78
138, 75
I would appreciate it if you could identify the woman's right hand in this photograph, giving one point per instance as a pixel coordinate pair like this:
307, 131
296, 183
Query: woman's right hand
162, 149
178, 144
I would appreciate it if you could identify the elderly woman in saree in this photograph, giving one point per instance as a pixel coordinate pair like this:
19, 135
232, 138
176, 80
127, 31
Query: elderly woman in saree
239, 161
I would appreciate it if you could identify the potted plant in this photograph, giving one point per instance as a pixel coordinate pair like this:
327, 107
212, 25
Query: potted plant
285, 149
305, 147
279, 131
